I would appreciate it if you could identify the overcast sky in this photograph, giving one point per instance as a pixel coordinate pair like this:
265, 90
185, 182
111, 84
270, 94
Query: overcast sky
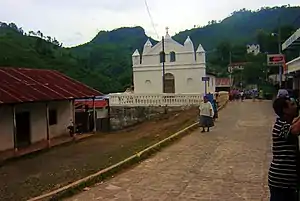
75, 22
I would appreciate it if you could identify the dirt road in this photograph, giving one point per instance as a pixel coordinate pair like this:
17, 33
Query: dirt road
32, 176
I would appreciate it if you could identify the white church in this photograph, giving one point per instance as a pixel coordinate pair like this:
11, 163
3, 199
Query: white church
184, 68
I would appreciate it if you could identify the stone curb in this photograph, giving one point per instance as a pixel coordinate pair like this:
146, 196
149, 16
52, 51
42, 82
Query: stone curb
78, 185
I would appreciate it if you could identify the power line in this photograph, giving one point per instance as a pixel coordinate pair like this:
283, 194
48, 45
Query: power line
151, 19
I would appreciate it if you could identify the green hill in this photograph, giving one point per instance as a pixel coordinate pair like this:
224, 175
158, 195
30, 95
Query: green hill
242, 26
105, 61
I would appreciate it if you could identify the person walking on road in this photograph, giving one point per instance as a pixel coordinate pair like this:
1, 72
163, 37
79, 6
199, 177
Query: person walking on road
283, 176
242, 95
206, 114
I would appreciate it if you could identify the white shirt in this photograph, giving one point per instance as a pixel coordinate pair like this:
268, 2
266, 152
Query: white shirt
206, 109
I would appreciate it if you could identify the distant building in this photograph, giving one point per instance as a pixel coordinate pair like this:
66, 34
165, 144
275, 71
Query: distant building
211, 84
36, 105
184, 68
223, 84
292, 68
253, 49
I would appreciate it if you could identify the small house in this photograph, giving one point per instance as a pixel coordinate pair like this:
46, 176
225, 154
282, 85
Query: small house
84, 109
223, 84
36, 105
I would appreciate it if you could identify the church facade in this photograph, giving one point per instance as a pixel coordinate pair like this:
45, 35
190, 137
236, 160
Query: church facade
184, 68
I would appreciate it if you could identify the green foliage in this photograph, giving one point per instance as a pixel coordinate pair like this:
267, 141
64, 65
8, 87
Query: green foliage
241, 26
105, 62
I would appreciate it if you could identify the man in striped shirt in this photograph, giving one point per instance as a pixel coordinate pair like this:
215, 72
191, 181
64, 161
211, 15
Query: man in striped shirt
283, 176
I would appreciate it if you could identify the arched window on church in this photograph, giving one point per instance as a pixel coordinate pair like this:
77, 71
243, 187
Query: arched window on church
162, 57
172, 56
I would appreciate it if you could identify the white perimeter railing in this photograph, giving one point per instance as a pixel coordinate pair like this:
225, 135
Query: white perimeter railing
293, 65
132, 99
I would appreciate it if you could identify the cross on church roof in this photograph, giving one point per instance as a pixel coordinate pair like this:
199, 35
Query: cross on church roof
167, 30
167, 33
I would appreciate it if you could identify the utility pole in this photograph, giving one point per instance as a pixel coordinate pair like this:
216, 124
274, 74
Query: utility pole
230, 73
279, 51
163, 64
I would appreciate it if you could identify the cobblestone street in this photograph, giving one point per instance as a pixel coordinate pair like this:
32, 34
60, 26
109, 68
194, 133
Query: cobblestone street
230, 163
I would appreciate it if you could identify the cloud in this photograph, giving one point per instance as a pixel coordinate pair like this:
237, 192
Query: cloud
88, 5
64, 19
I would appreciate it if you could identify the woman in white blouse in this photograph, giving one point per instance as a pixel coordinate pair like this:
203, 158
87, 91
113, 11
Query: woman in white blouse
206, 115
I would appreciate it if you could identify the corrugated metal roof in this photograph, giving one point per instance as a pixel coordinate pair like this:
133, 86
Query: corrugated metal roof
225, 82
29, 85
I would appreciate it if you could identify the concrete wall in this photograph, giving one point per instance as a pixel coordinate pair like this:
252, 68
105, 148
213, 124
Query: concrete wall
6, 128
125, 116
148, 82
37, 121
122, 117
64, 117
211, 85
188, 78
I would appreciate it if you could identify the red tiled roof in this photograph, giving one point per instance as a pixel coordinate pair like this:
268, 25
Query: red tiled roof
222, 82
29, 85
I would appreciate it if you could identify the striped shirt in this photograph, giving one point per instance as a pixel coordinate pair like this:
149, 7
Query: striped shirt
283, 168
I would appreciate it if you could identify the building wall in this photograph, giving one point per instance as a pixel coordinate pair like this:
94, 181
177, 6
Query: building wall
6, 128
211, 85
188, 81
102, 112
293, 65
296, 83
64, 117
148, 81
37, 121
188, 78
181, 58
187, 69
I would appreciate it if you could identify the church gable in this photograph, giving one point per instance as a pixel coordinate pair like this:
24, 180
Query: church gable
170, 46
175, 53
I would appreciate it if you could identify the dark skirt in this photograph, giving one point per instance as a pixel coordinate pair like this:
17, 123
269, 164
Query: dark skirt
206, 121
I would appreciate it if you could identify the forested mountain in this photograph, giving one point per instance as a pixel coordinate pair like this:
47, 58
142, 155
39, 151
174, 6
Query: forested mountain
105, 61
242, 26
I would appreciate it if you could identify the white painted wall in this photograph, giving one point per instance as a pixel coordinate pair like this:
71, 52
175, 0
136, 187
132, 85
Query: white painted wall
211, 85
37, 121
188, 79
293, 65
102, 113
188, 69
6, 128
64, 115
148, 81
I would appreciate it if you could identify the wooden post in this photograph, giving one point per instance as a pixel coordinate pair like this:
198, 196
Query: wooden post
14, 128
163, 65
94, 115
108, 113
73, 119
47, 125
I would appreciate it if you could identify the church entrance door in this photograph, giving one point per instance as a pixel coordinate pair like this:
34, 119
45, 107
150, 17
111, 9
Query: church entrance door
169, 83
